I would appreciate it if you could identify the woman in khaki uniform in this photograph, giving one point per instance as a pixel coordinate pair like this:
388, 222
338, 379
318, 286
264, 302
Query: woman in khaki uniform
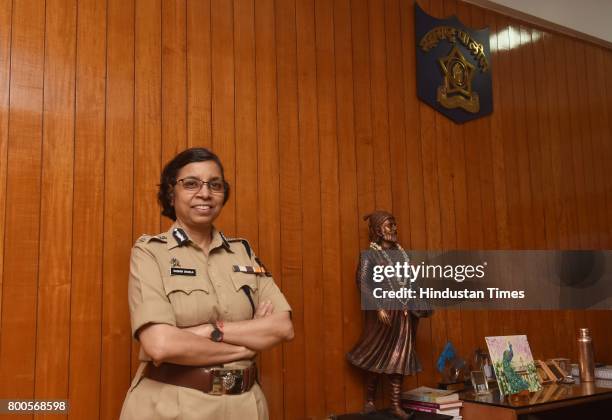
201, 305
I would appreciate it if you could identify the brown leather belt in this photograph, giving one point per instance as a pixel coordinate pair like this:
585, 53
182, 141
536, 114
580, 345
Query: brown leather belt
213, 381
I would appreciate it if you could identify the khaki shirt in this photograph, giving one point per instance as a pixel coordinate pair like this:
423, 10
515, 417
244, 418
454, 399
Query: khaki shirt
181, 286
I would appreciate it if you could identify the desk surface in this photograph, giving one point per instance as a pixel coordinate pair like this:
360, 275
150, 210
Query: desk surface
555, 394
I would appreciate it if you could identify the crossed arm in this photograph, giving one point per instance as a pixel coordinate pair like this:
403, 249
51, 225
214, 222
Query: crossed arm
241, 340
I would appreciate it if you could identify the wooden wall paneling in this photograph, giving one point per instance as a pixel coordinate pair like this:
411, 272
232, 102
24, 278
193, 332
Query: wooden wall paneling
521, 148
88, 212
457, 152
480, 193
532, 139
529, 321
349, 212
311, 208
443, 133
379, 108
497, 145
118, 199
290, 205
414, 166
599, 136
199, 74
223, 101
509, 138
596, 119
458, 187
244, 193
491, 320
6, 8
397, 135
366, 197
470, 231
567, 167
545, 136
397, 130
147, 123
443, 175
22, 218
56, 224
564, 332
429, 332
268, 180
174, 78
330, 214
581, 212
581, 98
484, 143
607, 66
605, 134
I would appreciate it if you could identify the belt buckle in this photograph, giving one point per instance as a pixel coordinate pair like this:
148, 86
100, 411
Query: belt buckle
226, 381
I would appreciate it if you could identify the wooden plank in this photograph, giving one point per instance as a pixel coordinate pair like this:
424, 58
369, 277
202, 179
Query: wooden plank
533, 150
88, 212
521, 148
581, 212
397, 131
311, 208
330, 215
418, 239
607, 66
483, 143
244, 191
366, 198
118, 198
199, 74
223, 103
544, 134
6, 8
267, 180
22, 217
444, 172
380, 119
174, 77
497, 145
599, 124
147, 123
515, 216
591, 238
469, 161
290, 204
52, 339
349, 213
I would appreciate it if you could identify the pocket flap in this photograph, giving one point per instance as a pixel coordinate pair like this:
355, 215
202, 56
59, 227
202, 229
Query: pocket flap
185, 284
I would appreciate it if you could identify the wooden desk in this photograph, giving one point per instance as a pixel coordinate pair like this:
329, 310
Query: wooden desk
582, 401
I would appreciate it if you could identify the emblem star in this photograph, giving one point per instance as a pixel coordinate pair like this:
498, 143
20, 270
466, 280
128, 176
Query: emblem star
458, 73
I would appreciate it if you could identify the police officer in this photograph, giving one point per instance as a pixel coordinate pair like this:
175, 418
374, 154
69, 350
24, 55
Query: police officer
201, 305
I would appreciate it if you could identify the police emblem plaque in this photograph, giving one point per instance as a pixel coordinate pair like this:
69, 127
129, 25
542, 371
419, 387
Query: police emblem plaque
453, 67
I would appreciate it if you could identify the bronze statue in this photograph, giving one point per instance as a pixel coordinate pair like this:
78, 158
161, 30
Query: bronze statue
388, 341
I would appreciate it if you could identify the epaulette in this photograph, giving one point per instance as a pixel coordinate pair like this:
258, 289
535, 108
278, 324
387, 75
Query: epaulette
244, 242
148, 238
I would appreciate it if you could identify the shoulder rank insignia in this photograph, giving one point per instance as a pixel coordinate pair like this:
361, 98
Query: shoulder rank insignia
180, 236
148, 238
251, 270
246, 244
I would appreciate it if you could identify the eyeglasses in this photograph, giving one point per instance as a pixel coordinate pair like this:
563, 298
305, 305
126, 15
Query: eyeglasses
193, 184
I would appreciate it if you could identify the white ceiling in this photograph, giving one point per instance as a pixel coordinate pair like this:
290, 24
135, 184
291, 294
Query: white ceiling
592, 17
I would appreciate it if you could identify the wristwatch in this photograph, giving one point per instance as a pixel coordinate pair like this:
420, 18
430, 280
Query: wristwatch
217, 333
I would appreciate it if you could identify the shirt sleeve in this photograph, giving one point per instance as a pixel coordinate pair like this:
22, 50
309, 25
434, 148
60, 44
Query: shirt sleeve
146, 295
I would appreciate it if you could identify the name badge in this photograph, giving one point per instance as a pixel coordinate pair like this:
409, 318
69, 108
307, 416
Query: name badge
178, 271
